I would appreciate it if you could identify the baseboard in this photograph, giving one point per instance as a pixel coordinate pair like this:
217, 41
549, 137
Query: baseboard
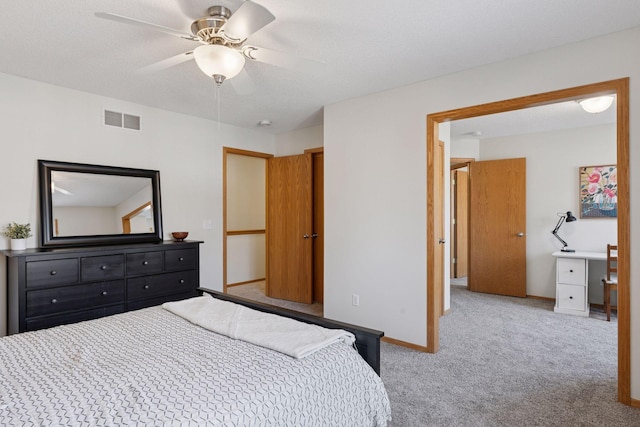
404, 344
635, 403
601, 306
542, 298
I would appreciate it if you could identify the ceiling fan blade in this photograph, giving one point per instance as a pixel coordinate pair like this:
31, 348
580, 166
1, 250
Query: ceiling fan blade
165, 63
248, 19
280, 59
143, 24
242, 84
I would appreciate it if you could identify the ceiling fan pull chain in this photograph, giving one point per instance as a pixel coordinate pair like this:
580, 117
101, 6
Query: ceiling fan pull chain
218, 103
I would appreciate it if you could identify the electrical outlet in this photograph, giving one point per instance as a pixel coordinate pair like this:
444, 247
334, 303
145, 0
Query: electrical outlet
355, 300
207, 224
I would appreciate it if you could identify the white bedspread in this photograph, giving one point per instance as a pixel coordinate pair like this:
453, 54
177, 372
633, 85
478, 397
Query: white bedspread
153, 368
288, 336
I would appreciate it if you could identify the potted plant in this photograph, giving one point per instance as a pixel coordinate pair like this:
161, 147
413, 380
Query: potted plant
18, 233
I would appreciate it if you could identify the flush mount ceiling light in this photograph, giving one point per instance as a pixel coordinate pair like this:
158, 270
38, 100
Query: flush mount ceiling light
597, 104
219, 62
264, 123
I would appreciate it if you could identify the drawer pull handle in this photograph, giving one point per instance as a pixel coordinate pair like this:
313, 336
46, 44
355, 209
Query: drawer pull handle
181, 281
53, 301
146, 286
104, 267
181, 259
570, 271
570, 297
104, 293
53, 272
145, 262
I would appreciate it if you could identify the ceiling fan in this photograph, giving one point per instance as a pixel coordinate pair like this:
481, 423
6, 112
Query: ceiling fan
222, 35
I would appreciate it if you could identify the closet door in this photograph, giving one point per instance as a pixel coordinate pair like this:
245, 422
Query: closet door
289, 228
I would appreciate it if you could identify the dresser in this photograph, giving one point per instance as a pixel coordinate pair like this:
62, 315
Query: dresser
50, 287
572, 281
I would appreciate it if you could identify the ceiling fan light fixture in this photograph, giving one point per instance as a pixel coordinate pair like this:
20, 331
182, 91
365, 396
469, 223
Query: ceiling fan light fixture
219, 62
597, 104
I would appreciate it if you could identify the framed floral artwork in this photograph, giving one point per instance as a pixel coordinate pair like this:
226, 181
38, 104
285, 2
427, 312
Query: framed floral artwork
599, 191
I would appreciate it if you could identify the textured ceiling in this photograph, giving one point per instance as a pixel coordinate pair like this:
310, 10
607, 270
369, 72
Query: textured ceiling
562, 115
361, 47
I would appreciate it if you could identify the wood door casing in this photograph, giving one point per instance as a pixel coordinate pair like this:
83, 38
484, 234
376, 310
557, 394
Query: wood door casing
460, 224
439, 223
318, 227
289, 219
618, 87
497, 227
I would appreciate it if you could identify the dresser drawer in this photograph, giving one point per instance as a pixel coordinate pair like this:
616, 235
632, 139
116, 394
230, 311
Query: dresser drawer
180, 259
102, 268
144, 263
161, 284
52, 272
571, 297
151, 302
64, 319
57, 300
572, 271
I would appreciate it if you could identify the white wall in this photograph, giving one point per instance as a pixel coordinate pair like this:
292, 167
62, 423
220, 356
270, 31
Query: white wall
142, 222
465, 148
246, 194
553, 159
375, 179
42, 121
246, 258
86, 220
295, 142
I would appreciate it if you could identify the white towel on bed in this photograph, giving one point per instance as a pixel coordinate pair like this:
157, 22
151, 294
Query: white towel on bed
288, 336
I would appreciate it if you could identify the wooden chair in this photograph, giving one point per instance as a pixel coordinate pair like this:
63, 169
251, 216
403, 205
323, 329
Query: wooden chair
610, 281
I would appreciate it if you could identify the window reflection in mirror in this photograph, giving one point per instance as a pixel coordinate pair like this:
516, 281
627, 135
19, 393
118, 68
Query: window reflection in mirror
94, 204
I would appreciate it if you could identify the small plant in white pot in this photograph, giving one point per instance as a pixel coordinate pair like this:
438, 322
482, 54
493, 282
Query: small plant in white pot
18, 233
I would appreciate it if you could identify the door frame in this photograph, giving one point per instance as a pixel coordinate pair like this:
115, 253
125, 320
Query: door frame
618, 87
225, 152
455, 164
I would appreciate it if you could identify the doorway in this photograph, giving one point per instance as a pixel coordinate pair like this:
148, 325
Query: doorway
258, 221
620, 88
243, 217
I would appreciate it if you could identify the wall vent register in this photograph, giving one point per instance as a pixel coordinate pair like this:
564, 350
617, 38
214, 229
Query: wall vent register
121, 120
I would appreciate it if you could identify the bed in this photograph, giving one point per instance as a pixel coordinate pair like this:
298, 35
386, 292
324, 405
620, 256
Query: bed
153, 367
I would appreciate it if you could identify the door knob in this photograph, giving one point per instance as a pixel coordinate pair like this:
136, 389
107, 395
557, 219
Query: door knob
441, 241
306, 236
521, 234
314, 235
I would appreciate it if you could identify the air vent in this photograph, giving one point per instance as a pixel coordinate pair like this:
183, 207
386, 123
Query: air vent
131, 122
121, 120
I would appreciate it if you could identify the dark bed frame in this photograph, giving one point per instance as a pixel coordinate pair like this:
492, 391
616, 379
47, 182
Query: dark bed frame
367, 340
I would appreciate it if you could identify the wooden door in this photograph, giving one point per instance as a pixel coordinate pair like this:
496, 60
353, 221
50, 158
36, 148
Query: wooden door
460, 223
438, 207
289, 228
497, 227
318, 227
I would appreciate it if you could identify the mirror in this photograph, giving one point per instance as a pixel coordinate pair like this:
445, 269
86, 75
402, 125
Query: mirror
84, 204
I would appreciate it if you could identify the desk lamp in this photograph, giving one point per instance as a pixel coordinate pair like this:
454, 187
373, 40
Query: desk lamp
568, 217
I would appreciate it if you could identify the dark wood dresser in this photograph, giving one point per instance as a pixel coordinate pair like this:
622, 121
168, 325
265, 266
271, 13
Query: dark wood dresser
50, 287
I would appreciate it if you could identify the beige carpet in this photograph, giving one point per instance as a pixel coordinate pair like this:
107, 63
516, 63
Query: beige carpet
255, 291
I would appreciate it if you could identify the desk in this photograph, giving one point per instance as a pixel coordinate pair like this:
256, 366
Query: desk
572, 281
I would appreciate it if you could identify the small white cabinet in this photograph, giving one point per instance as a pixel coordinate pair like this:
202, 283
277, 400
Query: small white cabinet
572, 281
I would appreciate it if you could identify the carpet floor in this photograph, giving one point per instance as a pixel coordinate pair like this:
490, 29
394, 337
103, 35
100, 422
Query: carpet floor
256, 291
508, 362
